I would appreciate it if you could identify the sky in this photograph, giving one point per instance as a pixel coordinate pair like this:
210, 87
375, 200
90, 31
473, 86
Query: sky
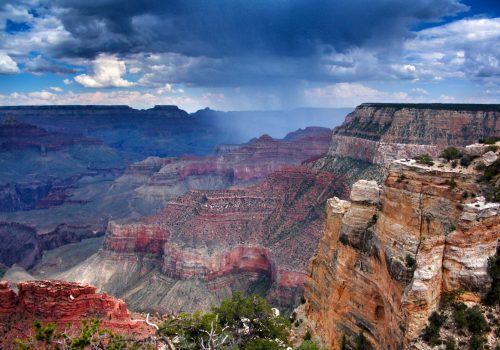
249, 54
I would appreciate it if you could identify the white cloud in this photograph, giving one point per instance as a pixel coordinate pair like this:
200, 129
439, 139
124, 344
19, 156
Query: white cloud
351, 94
465, 49
107, 72
67, 81
135, 99
7, 65
56, 89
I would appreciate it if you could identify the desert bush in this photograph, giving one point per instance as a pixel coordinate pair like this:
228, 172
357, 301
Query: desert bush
493, 295
424, 159
450, 153
431, 332
476, 323
465, 161
308, 345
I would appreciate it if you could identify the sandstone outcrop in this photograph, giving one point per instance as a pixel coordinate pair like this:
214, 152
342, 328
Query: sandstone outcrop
382, 266
61, 303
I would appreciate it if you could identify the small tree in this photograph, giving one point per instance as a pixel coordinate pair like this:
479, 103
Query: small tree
451, 153
424, 159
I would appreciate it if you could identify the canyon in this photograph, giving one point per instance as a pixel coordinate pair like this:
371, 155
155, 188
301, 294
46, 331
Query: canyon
67, 187
210, 243
191, 230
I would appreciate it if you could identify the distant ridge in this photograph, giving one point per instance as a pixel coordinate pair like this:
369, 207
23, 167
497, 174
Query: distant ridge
439, 106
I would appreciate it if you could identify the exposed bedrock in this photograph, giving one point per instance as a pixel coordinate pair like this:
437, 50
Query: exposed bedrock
383, 265
65, 304
215, 242
381, 133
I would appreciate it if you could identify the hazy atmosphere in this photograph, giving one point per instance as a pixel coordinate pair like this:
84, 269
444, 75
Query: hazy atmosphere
248, 55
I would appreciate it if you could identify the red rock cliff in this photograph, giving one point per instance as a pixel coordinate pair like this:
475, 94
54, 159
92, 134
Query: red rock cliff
62, 303
388, 255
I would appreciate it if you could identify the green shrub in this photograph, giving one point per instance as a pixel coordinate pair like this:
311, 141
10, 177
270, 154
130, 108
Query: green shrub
424, 159
465, 161
343, 343
459, 315
450, 344
491, 140
452, 184
360, 343
263, 330
307, 336
493, 295
450, 153
431, 332
262, 344
477, 342
449, 298
411, 263
492, 148
476, 323
308, 345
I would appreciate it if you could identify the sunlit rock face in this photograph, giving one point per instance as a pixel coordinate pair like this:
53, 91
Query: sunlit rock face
382, 133
383, 265
65, 304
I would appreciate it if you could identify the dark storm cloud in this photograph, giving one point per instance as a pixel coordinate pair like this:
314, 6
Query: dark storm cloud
42, 65
237, 28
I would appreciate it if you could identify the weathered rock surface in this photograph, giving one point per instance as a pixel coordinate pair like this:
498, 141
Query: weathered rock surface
489, 158
256, 239
381, 133
61, 303
382, 266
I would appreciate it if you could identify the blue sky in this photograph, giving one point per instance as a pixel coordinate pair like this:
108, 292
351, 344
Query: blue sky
241, 55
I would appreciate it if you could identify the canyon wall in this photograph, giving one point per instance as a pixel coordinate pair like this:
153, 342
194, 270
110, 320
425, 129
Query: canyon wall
211, 243
158, 180
389, 254
380, 133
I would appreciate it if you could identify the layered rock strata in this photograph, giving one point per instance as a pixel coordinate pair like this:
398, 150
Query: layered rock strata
65, 304
389, 254
256, 239
159, 180
381, 133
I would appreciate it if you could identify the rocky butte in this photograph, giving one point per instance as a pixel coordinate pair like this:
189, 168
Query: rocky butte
390, 253
65, 304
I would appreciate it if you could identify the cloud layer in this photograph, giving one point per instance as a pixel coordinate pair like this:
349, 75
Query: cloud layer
257, 54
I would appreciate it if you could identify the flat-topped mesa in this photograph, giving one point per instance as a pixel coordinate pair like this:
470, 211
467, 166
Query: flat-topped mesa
381, 133
383, 264
62, 303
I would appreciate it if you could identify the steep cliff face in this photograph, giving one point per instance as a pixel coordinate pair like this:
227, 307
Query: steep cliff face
65, 304
389, 254
208, 244
381, 133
